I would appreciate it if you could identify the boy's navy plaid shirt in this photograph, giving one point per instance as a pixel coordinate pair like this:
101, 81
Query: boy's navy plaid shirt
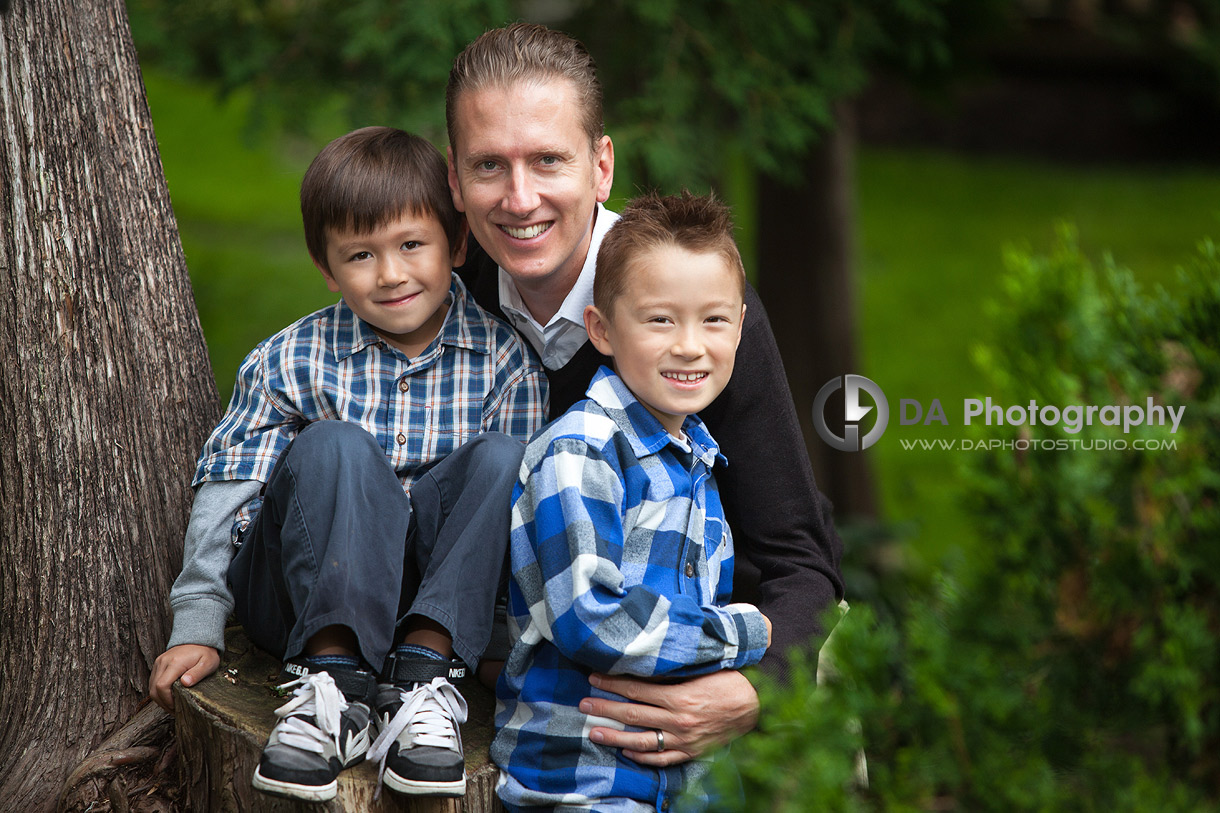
622, 563
476, 376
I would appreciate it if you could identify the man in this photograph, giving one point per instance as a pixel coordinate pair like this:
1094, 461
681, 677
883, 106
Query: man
530, 166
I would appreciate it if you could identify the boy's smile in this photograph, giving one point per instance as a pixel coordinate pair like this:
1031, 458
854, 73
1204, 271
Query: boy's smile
674, 331
395, 277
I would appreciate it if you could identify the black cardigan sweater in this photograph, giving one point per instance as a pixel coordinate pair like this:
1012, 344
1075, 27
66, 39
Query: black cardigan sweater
786, 547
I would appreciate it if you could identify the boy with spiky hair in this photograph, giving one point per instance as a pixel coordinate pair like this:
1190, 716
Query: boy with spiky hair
621, 557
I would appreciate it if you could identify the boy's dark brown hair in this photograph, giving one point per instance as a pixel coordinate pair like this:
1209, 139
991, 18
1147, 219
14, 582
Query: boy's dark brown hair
365, 179
526, 52
698, 223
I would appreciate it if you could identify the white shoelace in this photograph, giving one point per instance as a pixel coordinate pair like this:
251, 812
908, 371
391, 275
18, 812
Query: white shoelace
316, 695
430, 714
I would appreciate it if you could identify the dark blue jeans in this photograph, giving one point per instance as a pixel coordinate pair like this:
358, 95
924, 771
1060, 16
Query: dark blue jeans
337, 541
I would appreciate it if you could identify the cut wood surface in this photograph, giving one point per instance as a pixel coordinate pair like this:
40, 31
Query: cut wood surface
223, 723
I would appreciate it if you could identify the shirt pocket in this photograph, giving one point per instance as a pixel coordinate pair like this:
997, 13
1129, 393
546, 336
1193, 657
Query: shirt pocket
448, 423
718, 549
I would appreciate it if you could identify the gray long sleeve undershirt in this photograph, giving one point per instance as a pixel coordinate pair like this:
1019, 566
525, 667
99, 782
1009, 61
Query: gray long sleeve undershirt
200, 597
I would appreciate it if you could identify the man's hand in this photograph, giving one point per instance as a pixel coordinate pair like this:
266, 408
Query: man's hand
191, 662
693, 716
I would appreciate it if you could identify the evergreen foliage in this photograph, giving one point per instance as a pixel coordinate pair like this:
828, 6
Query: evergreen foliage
1074, 665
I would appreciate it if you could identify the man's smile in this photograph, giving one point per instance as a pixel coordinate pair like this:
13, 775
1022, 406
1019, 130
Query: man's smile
527, 232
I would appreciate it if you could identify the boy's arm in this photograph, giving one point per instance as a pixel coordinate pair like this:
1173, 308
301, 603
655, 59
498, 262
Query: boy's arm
200, 597
567, 547
257, 425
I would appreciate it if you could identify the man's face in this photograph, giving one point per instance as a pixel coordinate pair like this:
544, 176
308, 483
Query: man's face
525, 174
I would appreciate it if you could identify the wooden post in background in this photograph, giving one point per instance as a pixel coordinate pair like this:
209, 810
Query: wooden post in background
806, 255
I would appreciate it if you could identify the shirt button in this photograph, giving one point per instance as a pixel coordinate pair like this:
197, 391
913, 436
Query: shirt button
403, 386
690, 570
401, 438
665, 803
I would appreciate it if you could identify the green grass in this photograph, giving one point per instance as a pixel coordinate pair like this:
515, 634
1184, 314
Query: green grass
931, 229
235, 197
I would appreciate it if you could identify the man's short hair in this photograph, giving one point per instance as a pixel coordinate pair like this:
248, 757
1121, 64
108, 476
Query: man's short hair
369, 177
526, 52
698, 223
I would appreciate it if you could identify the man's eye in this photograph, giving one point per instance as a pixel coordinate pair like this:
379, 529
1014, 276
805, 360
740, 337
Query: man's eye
549, 160
487, 166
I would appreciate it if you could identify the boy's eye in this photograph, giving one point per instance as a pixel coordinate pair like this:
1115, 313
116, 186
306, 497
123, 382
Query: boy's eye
411, 245
360, 255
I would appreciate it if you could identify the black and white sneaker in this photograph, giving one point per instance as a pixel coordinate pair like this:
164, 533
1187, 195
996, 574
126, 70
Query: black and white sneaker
419, 746
323, 729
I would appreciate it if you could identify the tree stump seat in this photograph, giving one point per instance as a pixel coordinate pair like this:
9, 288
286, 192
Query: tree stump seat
223, 723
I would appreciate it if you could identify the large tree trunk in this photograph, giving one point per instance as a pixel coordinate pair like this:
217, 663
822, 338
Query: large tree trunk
105, 390
805, 251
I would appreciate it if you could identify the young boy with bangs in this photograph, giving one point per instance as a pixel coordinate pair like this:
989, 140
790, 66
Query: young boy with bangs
351, 501
621, 557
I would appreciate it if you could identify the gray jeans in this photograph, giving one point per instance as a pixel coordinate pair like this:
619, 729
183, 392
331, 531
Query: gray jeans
338, 542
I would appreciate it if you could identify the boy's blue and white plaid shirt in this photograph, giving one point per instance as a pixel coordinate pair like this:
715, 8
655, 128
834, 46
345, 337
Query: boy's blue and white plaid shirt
622, 563
476, 376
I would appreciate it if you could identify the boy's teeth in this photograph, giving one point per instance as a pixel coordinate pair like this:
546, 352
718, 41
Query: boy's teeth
686, 376
527, 232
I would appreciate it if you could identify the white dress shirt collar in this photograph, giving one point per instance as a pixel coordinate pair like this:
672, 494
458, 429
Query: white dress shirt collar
558, 340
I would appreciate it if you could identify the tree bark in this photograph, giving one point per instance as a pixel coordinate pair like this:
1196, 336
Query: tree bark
106, 393
806, 253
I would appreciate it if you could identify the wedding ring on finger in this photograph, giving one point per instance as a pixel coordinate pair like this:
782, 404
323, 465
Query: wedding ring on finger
660, 740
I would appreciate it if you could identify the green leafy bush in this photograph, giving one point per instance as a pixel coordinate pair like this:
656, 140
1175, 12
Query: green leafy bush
1073, 664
